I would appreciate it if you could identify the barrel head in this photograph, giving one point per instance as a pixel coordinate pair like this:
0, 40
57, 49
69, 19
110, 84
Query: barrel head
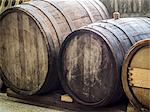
135, 74
87, 63
24, 54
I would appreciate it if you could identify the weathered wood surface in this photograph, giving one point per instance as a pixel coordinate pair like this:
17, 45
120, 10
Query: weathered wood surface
54, 101
128, 8
82, 62
139, 92
5, 4
30, 38
91, 58
139, 77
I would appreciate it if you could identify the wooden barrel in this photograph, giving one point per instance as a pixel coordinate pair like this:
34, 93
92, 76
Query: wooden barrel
136, 75
91, 58
128, 8
31, 35
5, 4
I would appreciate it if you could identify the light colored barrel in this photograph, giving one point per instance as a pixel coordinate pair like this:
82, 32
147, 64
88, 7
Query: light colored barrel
90, 59
136, 75
30, 38
128, 8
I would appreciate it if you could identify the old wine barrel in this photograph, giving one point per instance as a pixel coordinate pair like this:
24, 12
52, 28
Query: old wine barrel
136, 75
31, 35
90, 59
128, 8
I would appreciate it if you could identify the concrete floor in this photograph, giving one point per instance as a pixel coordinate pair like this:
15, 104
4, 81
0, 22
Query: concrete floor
8, 104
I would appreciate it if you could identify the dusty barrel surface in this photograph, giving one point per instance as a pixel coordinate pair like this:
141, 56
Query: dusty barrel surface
31, 35
91, 58
128, 8
5, 4
136, 75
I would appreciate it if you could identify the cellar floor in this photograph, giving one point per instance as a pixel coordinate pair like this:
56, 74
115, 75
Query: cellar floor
8, 104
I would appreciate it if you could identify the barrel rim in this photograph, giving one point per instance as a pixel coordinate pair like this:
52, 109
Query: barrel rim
128, 90
49, 49
62, 76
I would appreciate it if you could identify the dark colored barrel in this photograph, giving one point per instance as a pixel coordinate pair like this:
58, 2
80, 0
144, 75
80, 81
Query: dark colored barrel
31, 35
128, 8
91, 58
136, 75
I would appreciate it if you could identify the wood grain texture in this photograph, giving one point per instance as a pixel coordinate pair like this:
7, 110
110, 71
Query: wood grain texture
83, 61
142, 60
128, 8
139, 77
91, 59
22, 53
138, 57
31, 35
